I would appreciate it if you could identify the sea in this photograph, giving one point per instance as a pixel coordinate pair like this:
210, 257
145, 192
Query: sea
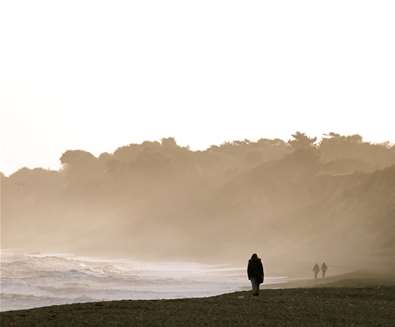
31, 280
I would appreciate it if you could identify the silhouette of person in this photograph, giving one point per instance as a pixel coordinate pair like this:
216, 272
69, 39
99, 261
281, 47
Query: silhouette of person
324, 268
316, 270
255, 273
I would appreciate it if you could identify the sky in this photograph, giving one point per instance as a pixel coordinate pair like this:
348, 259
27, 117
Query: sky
96, 75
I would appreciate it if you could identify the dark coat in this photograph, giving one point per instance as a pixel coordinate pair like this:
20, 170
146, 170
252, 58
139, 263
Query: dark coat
255, 270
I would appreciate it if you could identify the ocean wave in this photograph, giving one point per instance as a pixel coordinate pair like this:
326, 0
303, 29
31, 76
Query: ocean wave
34, 280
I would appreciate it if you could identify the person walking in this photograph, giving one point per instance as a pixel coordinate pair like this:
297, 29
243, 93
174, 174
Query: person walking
324, 268
316, 270
255, 273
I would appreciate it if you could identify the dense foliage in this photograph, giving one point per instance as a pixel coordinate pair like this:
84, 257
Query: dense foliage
157, 199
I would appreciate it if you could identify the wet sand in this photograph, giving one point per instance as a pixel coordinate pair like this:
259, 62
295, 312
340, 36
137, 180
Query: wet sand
348, 300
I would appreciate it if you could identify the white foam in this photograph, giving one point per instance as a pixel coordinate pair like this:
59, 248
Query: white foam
33, 280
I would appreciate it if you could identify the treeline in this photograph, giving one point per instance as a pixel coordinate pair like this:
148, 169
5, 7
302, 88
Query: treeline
163, 200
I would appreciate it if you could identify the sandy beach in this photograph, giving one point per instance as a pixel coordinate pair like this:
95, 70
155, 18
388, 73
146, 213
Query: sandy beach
350, 300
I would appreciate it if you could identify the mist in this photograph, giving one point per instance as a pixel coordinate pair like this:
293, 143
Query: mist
295, 202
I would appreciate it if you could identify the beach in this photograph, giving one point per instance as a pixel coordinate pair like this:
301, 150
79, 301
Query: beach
349, 300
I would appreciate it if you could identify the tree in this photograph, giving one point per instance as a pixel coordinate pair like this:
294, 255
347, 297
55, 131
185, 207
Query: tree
77, 158
301, 141
169, 143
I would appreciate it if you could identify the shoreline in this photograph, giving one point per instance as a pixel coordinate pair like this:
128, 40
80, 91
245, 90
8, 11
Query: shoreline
358, 299
350, 280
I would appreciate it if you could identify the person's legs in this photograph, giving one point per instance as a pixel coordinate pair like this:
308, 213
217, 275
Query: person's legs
255, 287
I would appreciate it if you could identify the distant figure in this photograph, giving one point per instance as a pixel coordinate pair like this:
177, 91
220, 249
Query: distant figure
255, 273
316, 270
324, 268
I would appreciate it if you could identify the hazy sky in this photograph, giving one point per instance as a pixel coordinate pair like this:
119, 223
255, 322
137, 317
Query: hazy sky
95, 75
